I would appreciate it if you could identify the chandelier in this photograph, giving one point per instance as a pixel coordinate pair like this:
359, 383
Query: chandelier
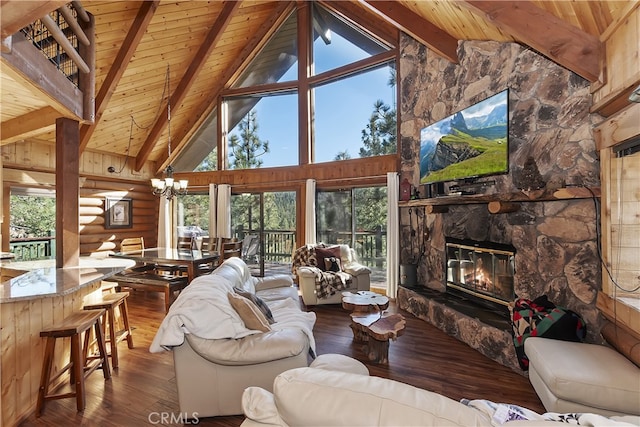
168, 186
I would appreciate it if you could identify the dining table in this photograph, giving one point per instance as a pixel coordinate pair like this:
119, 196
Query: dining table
172, 257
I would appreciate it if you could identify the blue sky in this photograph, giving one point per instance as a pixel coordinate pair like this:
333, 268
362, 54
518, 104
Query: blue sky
342, 108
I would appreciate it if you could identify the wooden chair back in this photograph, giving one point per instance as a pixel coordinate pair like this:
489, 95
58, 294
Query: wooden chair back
131, 244
210, 244
184, 243
231, 249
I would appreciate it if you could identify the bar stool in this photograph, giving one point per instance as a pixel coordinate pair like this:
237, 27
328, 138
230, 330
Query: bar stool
109, 303
72, 326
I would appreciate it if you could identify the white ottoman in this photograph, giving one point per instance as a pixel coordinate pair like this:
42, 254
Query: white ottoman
339, 362
579, 377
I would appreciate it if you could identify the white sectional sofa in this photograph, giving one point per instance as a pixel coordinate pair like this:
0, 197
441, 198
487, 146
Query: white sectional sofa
323, 397
216, 356
581, 377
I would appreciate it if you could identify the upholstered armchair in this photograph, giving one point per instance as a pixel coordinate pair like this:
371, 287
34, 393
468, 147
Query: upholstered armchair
323, 272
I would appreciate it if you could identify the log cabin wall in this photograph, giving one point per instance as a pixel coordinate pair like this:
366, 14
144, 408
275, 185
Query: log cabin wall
32, 164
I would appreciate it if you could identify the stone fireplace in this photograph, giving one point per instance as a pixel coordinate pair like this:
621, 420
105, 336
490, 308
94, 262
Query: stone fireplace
483, 271
554, 240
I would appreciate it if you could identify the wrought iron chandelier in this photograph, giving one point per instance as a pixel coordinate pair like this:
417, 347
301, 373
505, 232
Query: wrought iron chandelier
168, 186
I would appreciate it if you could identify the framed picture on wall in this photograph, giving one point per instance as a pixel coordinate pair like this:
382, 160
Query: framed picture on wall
117, 212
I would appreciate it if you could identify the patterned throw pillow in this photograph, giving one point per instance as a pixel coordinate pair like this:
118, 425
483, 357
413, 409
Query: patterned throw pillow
322, 253
249, 313
259, 302
332, 264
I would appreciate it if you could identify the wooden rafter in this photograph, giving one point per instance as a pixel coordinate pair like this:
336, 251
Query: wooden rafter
207, 46
31, 123
561, 42
208, 104
365, 18
129, 46
22, 13
417, 27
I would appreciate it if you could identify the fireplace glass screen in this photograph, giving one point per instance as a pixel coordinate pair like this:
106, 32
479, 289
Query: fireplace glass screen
482, 270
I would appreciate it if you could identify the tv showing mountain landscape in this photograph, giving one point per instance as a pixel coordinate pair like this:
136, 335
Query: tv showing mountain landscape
468, 144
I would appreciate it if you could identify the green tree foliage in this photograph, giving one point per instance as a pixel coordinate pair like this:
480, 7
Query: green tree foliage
35, 215
210, 163
245, 150
379, 136
342, 155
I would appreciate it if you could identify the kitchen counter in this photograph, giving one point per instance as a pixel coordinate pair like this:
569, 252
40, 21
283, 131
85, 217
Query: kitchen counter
25, 280
33, 296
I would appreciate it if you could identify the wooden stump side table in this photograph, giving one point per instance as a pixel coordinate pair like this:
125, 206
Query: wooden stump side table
370, 325
377, 332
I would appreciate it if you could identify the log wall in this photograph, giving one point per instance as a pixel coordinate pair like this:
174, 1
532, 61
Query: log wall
32, 164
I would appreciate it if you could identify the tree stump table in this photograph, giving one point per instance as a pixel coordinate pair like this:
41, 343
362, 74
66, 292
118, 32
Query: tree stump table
370, 325
362, 303
377, 331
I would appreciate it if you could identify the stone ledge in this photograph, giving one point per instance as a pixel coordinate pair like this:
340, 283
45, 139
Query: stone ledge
494, 342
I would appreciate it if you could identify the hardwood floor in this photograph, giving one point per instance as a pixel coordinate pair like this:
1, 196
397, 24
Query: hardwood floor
142, 391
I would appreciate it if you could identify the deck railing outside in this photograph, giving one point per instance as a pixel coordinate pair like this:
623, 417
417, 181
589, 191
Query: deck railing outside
370, 246
33, 248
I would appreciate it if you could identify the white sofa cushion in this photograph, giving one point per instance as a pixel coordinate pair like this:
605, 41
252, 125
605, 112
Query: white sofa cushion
591, 375
258, 348
313, 397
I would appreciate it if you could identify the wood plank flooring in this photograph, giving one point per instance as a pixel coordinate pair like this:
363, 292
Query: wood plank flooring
142, 391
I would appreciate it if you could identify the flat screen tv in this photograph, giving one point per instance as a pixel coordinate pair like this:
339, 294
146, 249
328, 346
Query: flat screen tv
471, 143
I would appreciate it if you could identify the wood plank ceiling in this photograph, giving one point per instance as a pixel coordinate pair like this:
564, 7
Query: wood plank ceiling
205, 44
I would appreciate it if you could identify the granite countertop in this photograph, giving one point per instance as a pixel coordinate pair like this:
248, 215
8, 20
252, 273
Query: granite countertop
41, 279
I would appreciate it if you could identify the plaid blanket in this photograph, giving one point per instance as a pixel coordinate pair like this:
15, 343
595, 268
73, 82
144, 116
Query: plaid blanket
327, 282
542, 318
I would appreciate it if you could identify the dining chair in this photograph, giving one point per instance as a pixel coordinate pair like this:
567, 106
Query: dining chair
185, 243
231, 249
132, 244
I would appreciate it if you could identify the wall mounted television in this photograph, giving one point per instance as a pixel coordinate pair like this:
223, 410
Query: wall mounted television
468, 144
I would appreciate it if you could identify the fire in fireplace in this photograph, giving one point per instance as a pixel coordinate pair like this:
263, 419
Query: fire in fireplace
482, 271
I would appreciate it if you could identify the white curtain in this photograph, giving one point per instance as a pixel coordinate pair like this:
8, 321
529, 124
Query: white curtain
164, 223
393, 225
213, 230
310, 209
224, 211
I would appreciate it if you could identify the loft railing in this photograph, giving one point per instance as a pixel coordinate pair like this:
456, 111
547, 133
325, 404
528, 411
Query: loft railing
42, 37
66, 38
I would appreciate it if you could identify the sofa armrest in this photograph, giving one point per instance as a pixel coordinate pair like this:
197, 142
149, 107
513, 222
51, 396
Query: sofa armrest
252, 349
357, 269
308, 271
275, 281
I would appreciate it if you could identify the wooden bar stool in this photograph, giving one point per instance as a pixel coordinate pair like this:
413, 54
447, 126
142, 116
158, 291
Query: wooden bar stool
72, 326
109, 303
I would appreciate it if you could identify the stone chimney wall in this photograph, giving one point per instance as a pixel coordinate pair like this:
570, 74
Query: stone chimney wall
549, 122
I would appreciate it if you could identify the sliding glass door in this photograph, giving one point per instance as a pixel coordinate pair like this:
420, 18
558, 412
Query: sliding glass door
356, 217
266, 223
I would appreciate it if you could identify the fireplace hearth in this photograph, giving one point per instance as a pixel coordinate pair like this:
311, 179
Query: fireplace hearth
481, 271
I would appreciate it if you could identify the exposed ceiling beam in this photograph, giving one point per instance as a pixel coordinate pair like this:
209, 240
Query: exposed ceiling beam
560, 41
205, 108
365, 18
128, 48
201, 56
17, 14
417, 27
27, 125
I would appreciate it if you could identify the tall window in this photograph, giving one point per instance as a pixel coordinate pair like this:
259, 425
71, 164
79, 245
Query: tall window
352, 112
